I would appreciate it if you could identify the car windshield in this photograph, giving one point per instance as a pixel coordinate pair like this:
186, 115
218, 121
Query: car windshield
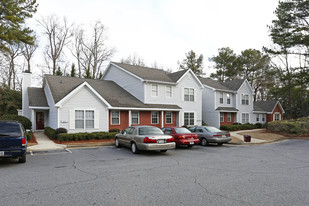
149, 130
9, 129
212, 129
182, 130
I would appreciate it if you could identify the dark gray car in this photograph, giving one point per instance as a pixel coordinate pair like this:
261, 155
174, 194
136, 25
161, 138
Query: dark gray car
144, 138
209, 134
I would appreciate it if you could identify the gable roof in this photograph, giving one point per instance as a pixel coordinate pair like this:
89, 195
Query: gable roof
214, 84
116, 96
234, 84
37, 97
267, 106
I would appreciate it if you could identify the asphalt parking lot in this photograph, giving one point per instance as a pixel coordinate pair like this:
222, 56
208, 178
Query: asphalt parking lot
270, 174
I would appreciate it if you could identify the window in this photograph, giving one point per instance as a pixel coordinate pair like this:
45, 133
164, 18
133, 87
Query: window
135, 117
277, 116
245, 99
245, 118
221, 117
154, 90
189, 118
228, 98
229, 117
154, 118
263, 117
257, 117
168, 91
115, 117
221, 98
168, 118
84, 119
189, 95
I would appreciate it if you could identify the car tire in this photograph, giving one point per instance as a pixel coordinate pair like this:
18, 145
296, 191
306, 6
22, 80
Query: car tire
22, 159
117, 143
204, 142
134, 148
165, 150
220, 144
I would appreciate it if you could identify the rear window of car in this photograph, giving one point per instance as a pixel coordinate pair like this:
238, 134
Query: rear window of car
149, 130
212, 129
182, 130
9, 129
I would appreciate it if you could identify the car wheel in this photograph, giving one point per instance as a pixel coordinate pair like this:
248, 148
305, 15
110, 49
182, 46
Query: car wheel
163, 150
117, 143
134, 148
220, 144
22, 159
204, 142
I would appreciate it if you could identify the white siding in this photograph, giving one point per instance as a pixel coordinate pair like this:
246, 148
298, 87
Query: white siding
161, 98
245, 89
210, 115
126, 81
84, 99
53, 111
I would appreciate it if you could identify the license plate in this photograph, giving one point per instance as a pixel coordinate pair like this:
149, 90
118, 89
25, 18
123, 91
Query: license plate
1, 153
223, 136
191, 142
160, 141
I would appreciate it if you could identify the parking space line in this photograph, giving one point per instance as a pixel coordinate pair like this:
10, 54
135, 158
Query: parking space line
69, 151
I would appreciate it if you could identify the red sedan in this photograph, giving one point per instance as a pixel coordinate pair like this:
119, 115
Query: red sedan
182, 135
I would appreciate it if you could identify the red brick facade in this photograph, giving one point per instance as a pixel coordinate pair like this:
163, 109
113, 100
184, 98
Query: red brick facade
270, 117
144, 119
225, 122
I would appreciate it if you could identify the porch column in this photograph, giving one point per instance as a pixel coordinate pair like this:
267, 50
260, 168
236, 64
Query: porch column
162, 119
130, 119
33, 120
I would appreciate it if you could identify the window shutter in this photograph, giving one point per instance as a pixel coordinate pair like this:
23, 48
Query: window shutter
182, 94
195, 95
72, 119
96, 119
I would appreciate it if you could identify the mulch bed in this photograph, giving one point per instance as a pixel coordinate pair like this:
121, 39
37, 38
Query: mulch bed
32, 141
84, 141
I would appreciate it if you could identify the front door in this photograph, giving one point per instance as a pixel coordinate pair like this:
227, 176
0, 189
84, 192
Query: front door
40, 120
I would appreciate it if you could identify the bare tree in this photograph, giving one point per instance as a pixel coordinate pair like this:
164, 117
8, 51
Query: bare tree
91, 53
28, 51
133, 60
13, 53
58, 35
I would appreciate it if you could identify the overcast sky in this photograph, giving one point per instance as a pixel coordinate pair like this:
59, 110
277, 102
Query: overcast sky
164, 30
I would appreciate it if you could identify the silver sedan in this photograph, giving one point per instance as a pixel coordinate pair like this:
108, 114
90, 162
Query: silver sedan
144, 138
208, 134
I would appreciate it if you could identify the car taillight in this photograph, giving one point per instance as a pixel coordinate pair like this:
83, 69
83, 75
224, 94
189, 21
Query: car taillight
23, 141
148, 140
228, 135
195, 136
171, 139
217, 135
181, 137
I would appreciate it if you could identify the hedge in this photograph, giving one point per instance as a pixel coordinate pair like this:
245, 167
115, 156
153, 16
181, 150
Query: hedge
50, 132
21, 119
296, 126
239, 127
86, 136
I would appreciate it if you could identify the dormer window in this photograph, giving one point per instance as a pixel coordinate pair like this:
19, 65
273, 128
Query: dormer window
154, 90
245, 99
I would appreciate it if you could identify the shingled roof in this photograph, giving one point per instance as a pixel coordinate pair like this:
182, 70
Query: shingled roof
267, 106
116, 96
232, 85
37, 97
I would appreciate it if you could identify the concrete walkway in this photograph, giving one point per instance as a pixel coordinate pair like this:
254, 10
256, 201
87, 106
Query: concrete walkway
241, 137
44, 143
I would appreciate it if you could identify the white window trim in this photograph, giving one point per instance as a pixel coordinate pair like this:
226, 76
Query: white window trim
248, 118
157, 90
228, 98
157, 118
171, 117
138, 117
227, 117
171, 93
274, 116
118, 117
221, 113
194, 94
257, 119
221, 96
243, 94
189, 118
94, 118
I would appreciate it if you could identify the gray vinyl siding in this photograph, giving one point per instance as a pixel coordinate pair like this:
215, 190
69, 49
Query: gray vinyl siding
210, 115
53, 111
126, 81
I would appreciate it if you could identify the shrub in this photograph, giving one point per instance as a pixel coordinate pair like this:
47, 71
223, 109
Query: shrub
114, 130
86, 136
21, 119
235, 127
50, 132
29, 136
296, 126
58, 131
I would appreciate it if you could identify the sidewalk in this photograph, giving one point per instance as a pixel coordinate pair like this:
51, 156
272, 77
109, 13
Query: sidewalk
44, 143
241, 137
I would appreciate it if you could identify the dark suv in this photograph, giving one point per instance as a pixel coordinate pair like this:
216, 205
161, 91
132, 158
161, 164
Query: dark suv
13, 141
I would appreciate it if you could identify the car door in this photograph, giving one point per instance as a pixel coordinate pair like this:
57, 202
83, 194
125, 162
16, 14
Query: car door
126, 136
200, 132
